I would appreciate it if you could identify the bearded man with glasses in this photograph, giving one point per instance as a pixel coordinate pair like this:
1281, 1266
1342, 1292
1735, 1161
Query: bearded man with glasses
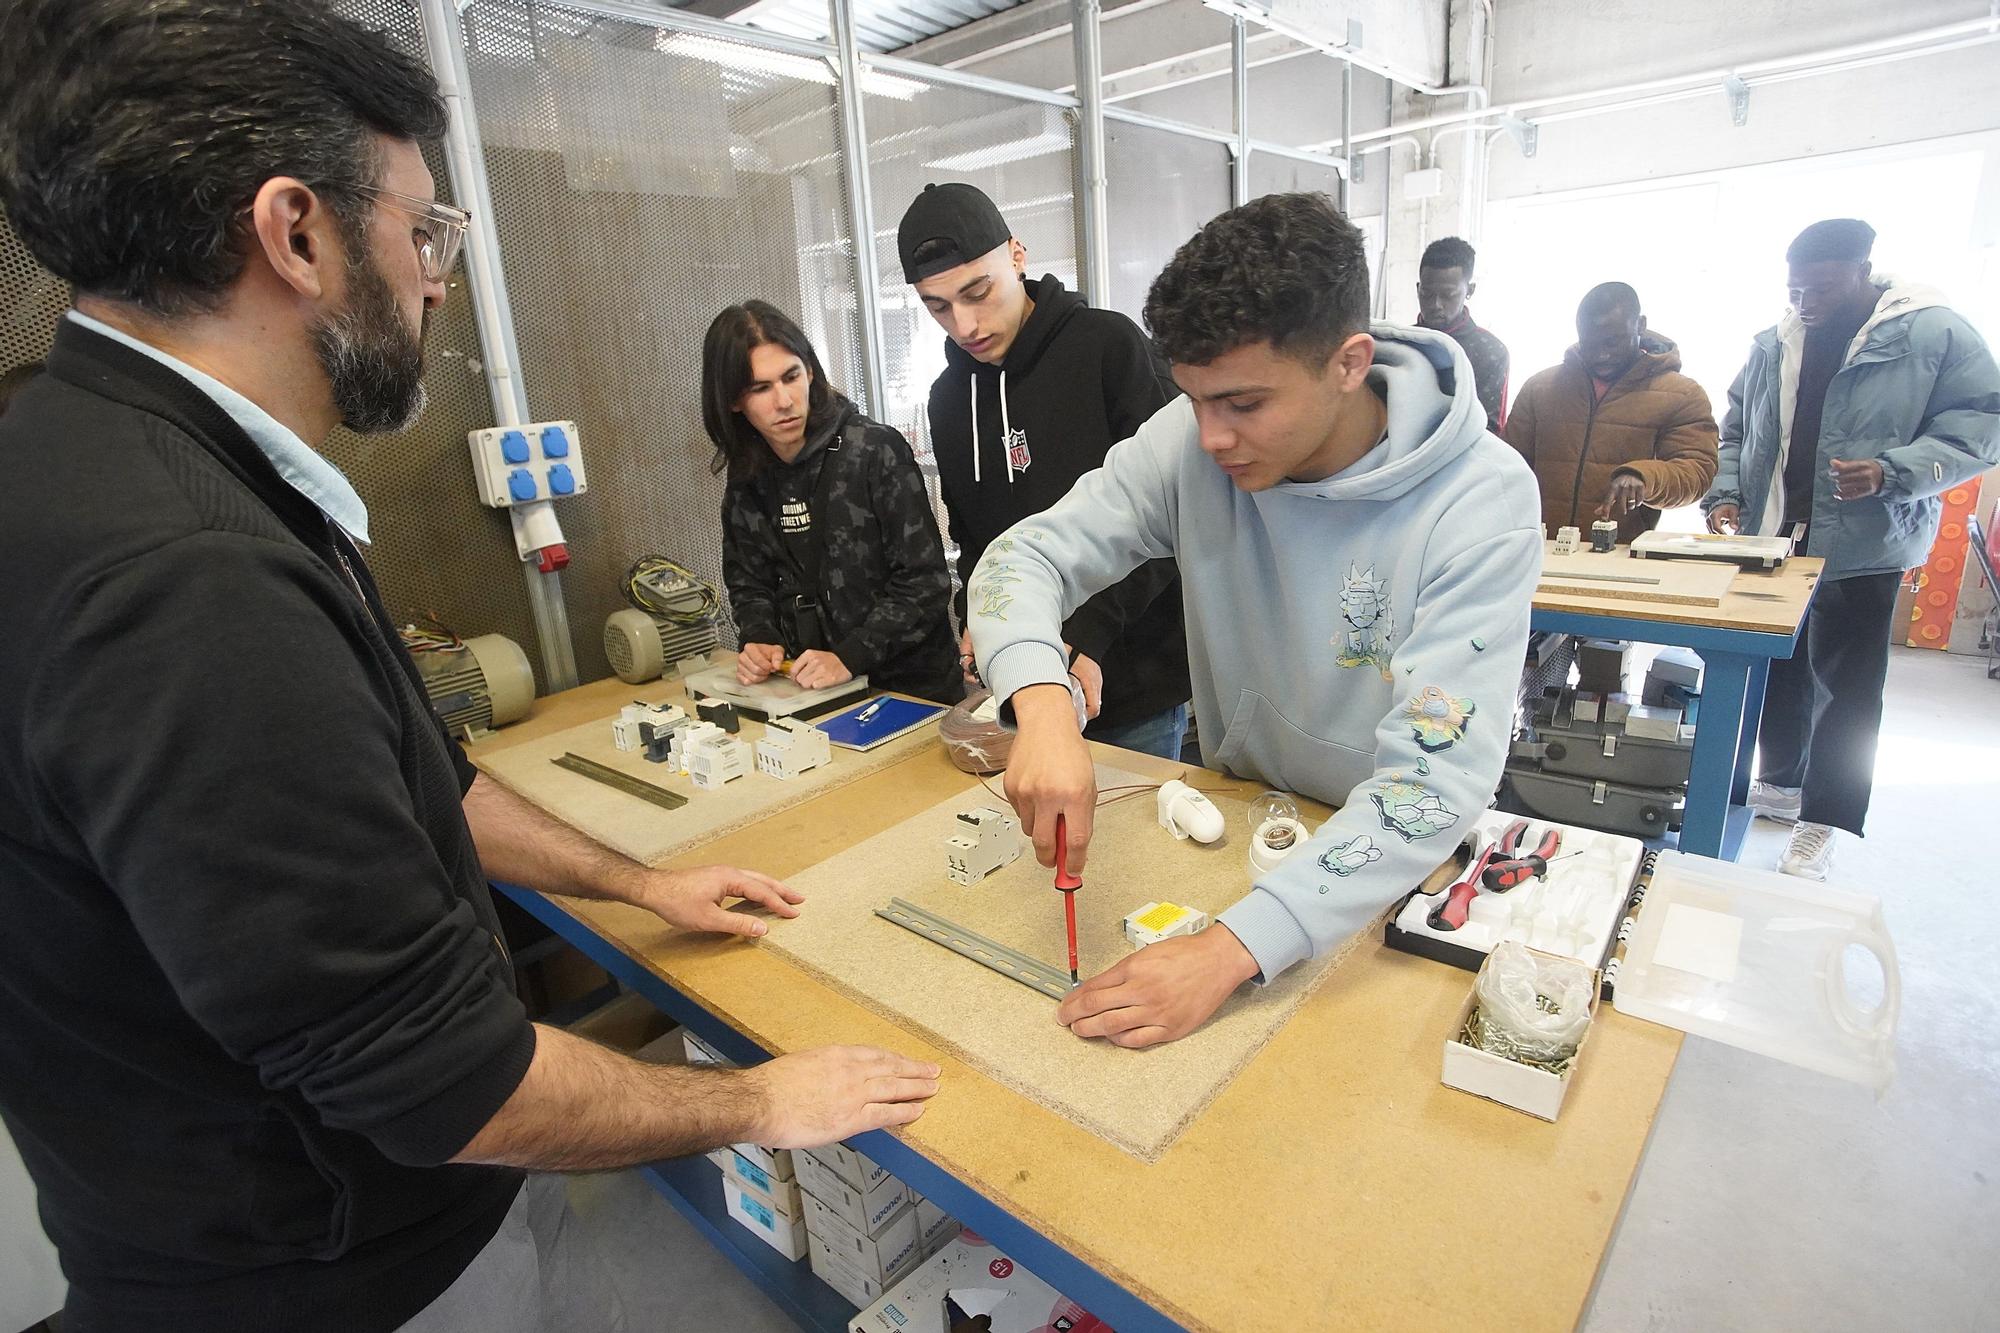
259, 1042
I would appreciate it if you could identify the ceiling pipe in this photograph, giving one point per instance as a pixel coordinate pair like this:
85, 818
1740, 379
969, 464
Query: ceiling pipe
1694, 82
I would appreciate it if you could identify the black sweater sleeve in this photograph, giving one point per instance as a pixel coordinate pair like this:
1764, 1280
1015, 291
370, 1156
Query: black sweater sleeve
747, 571
321, 940
1136, 385
912, 554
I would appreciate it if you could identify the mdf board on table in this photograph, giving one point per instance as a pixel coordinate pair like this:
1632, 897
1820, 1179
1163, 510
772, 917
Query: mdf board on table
1140, 1100
645, 832
1614, 574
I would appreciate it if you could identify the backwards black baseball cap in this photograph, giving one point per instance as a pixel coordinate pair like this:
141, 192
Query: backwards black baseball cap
961, 216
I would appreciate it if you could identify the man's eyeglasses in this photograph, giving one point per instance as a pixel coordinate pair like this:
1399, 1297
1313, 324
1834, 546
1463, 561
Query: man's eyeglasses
440, 230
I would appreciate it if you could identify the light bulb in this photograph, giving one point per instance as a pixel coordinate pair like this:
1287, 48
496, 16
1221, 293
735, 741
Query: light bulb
1269, 806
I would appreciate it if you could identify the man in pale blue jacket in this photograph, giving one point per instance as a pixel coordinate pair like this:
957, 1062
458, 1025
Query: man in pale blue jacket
1357, 557
1862, 406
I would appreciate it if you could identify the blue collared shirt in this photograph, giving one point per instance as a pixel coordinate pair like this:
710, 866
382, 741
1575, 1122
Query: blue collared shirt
296, 461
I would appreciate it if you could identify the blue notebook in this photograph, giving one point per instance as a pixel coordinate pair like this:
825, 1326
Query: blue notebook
892, 719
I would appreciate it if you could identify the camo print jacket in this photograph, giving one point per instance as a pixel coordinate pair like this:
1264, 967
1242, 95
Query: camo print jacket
882, 587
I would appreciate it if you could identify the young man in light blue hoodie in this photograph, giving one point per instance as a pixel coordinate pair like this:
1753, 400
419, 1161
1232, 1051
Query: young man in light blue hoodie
1358, 556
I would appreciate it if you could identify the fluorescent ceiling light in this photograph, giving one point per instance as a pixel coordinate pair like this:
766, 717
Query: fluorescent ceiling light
738, 55
998, 154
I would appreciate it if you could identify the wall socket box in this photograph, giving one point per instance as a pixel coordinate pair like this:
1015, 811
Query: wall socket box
1427, 184
520, 465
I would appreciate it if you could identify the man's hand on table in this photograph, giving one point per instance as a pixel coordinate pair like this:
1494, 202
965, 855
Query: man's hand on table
1162, 992
822, 1096
1627, 492
1049, 773
693, 899
1725, 519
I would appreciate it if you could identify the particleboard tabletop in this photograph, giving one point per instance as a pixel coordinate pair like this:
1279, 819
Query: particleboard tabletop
1758, 601
1334, 1183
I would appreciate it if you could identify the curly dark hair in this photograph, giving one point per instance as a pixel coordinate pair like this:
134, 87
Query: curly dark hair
134, 132
1286, 269
1448, 252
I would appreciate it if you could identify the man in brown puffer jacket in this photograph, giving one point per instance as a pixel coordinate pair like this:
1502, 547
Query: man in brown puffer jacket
1615, 431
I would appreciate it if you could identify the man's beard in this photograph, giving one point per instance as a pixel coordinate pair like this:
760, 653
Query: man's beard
375, 364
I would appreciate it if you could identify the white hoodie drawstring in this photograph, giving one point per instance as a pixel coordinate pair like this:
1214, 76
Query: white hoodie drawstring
972, 387
1006, 430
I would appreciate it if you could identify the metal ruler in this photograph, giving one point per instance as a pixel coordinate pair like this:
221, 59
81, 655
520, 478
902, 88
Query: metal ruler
625, 782
1031, 972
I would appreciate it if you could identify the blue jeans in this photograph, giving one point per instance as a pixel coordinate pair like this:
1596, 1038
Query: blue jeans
1159, 734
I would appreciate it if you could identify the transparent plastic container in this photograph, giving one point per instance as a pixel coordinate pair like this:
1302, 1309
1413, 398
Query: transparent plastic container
1765, 962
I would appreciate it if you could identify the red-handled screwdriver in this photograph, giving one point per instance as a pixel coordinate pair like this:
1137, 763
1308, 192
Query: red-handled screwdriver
1451, 911
1067, 885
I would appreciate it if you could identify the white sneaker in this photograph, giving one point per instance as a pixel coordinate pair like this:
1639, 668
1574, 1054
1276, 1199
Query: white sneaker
1774, 802
1809, 854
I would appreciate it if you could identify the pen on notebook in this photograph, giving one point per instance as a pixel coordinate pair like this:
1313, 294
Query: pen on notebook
870, 711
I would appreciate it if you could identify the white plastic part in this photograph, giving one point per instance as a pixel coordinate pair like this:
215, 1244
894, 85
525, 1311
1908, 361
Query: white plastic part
790, 747
710, 756
625, 727
1186, 813
1758, 960
981, 842
1274, 840
535, 527
1162, 921
546, 464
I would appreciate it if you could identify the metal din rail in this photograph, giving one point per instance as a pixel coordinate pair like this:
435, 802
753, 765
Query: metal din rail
1030, 972
625, 782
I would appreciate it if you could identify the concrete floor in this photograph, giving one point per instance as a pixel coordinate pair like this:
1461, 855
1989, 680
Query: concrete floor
1770, 1198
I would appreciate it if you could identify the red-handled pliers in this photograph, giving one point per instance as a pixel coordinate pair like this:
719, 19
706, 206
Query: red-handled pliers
1511, 866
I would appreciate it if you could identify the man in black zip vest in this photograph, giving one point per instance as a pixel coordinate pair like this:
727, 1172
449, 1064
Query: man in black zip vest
259, 1044
1037, 386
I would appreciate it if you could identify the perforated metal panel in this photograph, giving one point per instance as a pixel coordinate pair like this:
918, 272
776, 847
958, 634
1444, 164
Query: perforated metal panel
1022, 154
1162, 188
642, 180
32, 299
436, 550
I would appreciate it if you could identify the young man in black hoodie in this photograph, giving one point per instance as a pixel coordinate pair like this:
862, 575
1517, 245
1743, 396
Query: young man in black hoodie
1037, 387
259, 1043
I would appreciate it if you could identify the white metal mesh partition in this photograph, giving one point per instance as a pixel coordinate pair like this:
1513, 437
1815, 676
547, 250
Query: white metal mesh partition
1163, 187
642, 180
1020, 153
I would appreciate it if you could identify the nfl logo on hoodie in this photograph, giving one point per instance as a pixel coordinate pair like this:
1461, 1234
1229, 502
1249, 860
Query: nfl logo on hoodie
1017, 450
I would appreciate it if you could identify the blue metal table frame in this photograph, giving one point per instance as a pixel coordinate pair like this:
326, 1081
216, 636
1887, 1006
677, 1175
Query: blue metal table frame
692, 1188
1736, 664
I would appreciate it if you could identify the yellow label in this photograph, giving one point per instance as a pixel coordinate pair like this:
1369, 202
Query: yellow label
1160, 917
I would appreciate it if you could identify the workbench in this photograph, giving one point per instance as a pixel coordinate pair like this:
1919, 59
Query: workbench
1334, 1183
1759, 619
